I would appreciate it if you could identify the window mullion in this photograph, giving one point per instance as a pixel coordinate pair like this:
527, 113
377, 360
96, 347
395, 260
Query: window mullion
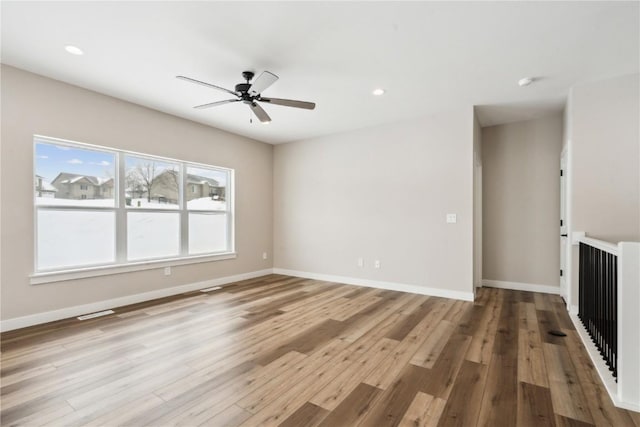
184, 213
230, 198
121, 211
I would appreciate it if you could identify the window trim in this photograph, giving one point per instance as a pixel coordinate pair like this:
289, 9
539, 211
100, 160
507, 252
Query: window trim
121, 264
110, 269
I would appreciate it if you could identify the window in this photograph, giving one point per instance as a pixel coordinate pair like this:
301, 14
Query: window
98, 206
208, 212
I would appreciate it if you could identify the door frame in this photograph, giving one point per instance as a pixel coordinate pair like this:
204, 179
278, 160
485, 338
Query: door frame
477, 219
566, 253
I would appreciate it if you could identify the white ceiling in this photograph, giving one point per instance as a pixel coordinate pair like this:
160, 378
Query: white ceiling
429, 56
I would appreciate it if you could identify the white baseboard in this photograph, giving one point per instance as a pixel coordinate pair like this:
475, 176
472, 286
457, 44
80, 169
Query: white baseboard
601, 367
50, 316
518, 286
392, 286
628, 406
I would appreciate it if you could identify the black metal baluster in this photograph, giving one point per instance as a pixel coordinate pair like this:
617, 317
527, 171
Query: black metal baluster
609, 288
609, 311
610, 321
614, 338
581, 287
598, 300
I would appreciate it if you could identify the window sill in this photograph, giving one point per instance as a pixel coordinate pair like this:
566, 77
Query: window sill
81, 273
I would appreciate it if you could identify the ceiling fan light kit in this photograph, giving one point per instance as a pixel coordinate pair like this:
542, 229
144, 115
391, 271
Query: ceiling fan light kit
251, 94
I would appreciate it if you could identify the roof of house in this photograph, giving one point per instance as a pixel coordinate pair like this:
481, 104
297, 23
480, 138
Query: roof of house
197, 179
71, 178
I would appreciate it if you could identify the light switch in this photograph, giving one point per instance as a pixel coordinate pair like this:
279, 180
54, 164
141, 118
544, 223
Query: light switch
451, 219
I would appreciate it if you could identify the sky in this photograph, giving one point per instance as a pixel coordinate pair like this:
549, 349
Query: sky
52, 159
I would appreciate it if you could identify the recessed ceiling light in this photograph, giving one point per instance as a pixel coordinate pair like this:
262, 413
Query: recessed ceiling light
526, 81
74, 50
378, 92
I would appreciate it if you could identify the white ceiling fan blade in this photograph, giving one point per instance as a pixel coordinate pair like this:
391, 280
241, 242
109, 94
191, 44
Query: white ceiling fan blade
260, 113
189, 79
265, 80
214, 104
289, 103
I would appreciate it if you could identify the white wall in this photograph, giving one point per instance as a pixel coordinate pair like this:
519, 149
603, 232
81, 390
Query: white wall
380, 193
521, 206
33, 104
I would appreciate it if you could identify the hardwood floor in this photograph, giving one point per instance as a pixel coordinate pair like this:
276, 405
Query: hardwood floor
286, 351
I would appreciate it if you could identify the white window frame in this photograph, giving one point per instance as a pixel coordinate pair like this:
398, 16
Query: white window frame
120, 209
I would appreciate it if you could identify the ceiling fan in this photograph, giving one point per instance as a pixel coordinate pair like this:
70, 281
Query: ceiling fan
250, 94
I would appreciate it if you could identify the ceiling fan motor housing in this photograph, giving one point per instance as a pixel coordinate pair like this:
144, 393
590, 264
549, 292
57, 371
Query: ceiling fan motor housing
243, 87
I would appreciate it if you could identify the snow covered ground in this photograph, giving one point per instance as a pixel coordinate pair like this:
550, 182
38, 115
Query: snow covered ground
80, 238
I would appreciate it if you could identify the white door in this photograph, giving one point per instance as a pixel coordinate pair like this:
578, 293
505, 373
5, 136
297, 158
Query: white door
563, 225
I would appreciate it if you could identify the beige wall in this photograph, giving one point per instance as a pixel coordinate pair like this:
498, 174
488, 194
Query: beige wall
605, 146
521, 201
380, 193
36, 105
603, 135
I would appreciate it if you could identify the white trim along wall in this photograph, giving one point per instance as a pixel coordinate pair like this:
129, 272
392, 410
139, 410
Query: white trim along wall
391, 286
50, 316
518, 286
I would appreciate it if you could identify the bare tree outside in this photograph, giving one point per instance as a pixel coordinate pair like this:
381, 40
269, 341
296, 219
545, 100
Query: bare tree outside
158, 179
133, 184
145, 175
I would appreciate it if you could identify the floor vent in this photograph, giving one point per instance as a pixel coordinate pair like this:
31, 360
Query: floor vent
93, 315
215, 288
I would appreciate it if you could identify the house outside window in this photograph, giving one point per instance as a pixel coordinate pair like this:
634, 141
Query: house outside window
110, 207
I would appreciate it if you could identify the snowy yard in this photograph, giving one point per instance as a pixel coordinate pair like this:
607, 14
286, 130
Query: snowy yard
69, 238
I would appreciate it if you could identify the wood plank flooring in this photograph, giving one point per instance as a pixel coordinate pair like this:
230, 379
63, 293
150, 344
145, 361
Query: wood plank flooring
286, 351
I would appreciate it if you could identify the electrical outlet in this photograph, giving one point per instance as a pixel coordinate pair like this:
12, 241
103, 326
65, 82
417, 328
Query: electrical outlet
376, 264
167, 271
451, 219
360, 262
265, 255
